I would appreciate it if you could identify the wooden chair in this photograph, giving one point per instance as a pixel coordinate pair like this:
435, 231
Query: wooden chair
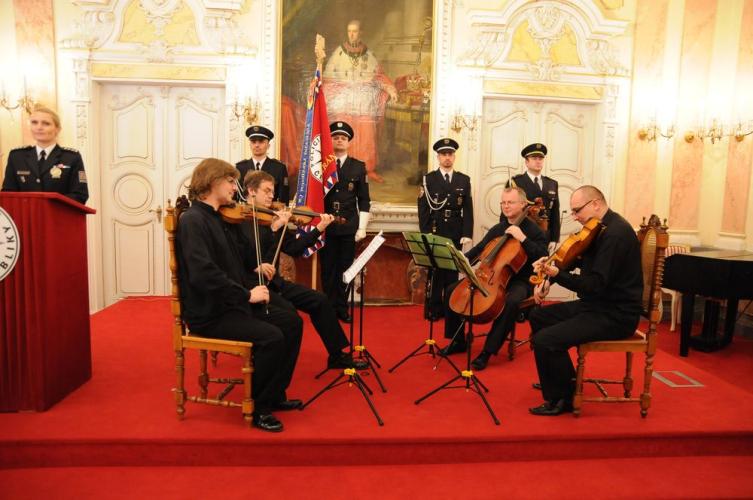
654, 240
183, 339
674, 294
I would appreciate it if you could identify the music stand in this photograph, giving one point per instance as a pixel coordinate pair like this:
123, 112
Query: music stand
353, 377
471, 381
430, 251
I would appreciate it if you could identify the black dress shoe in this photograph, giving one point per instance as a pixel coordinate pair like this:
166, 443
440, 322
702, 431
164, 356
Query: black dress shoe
536, 385
481, 360
267, 422
345, 360
345, 317
453, 348
548, 409
289, 405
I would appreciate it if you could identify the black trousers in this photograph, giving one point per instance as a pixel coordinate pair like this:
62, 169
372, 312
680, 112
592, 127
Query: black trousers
516, 292
321, 311
276, 332
440, 289
337, 256
557, 328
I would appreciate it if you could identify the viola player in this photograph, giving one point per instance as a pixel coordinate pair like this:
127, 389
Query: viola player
609, 288
534, 242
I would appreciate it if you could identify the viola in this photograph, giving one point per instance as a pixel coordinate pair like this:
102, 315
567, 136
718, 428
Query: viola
570, 249
500, 260
239, 212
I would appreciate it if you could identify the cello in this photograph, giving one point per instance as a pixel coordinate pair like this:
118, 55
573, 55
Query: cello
500, 260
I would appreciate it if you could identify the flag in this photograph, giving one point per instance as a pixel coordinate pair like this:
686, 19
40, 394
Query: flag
318, 172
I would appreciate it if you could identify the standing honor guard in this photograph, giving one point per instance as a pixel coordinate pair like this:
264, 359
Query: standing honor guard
445, 208
259, 137
537, 185
46, 166
349, 199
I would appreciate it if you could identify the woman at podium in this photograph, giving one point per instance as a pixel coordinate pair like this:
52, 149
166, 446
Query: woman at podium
46, 166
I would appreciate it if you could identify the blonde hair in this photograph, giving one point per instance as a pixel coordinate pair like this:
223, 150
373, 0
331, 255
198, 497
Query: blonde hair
41, 108
206, 174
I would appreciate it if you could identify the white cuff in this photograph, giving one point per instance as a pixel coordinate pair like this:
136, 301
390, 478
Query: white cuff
363, 220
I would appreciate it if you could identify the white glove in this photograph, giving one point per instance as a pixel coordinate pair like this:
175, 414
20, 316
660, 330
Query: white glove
552, 246
465, 240
363, 221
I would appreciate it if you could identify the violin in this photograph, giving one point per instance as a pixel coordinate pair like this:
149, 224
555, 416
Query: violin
303, 215
239, 212
500, 260
570, 249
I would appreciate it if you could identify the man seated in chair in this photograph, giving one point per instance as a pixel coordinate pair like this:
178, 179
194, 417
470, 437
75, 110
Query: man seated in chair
534, 244
609, 288
260, 187
219, 299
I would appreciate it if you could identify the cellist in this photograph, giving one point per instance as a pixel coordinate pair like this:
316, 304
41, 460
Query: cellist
534, 243
609, 288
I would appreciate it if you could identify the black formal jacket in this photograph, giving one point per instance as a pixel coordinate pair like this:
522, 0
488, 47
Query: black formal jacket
455, 219
535, 244
214, 260
549, 193
62, 172
276, 169
348, 197
611, 276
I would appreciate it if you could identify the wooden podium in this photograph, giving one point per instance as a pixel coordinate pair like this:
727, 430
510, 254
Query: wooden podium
45, 350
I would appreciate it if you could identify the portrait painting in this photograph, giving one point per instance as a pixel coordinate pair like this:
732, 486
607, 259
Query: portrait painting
376, 77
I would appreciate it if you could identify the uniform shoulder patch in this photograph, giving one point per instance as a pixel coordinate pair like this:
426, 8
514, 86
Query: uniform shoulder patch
72, 150
21, 148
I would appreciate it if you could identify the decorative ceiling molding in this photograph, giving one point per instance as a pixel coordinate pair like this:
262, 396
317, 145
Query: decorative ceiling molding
547, 21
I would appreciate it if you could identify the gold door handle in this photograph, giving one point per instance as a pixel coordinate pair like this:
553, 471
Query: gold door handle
157, 211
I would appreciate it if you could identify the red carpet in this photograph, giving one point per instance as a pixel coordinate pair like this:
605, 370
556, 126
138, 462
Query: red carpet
125, 416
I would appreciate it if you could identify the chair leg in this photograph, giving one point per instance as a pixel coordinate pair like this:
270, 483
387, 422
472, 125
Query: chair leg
180, 392
647, 376
676, 308
247, 406
214, 355
627, 382
578, 398
203, 374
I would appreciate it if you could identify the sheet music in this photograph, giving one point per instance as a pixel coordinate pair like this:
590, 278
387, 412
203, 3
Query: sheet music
362, 259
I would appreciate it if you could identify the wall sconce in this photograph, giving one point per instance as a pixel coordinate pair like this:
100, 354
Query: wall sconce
460, 122
248, 110
652, 131
717, 131
25, 101
739, 133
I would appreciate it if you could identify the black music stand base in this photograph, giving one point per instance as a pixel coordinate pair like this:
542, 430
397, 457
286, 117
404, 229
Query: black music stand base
471, 384
353, 378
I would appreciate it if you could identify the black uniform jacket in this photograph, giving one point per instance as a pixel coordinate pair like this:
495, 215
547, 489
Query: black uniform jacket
549, 193
62, 172
348, 197
611, 277
276, 169
455, 219
534, 245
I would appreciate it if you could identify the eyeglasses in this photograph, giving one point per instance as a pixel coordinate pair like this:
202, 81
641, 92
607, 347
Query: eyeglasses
503, 203
575, 211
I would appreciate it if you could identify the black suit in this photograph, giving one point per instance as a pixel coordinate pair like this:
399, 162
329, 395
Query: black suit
610, 289
276, 169
62, 172
517, 289
549, 193
449, 215
346, 199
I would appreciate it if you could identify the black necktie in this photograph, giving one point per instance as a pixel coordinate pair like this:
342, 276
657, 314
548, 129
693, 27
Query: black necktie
447, 178
338, 168
42, 157
258, 165
536, 181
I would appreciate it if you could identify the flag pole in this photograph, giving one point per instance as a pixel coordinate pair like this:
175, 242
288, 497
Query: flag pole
320, 55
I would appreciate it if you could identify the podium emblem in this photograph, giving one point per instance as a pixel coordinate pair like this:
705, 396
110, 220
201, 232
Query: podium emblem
10, 246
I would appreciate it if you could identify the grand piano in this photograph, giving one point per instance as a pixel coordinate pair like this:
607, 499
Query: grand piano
718, 274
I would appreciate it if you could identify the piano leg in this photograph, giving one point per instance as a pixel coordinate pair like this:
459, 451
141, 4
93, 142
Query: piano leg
686, 322
730, 318
710, 340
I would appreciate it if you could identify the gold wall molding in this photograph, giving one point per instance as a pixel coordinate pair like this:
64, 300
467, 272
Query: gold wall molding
158, 72
538, 89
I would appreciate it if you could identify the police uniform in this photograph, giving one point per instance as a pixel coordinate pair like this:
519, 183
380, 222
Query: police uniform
275, 168
445, 209
548, 191
61, 172
346, 199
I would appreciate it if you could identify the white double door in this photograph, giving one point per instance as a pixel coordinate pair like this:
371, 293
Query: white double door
567, 130
152, 138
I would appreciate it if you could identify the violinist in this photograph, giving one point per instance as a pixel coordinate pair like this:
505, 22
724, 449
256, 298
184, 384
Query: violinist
537, 185
221, 301
533, 241
259, 187
609, 288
